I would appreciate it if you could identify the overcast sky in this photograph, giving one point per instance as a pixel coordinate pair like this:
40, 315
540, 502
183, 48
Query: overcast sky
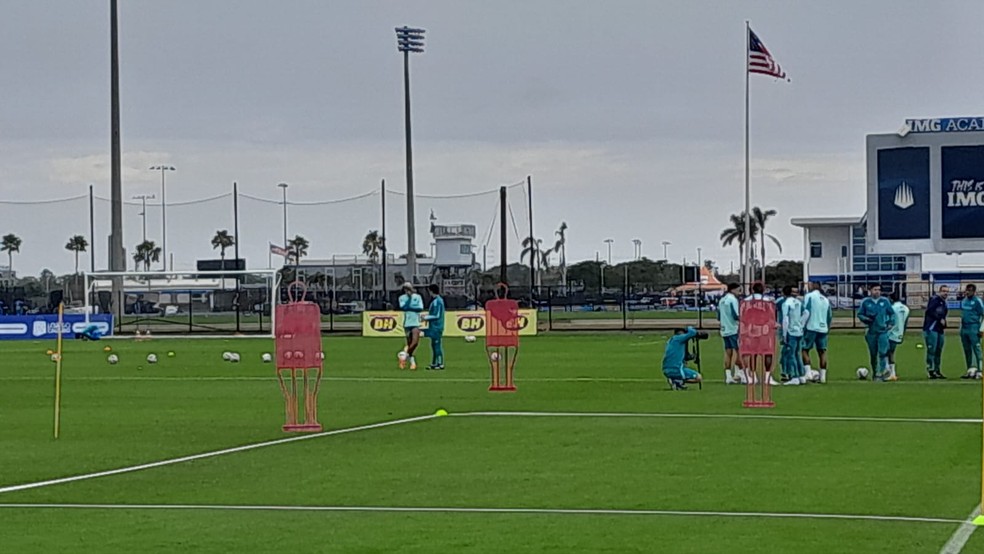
627, 114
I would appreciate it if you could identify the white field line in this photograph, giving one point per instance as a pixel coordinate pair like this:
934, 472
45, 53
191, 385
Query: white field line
719, 416
464, 510
212, 454
962, 535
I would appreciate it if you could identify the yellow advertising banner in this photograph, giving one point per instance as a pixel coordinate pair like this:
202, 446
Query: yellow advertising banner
456, 324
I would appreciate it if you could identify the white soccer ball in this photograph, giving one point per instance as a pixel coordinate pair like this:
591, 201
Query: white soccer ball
113, 359
54, 357
267, 358
494, 356
402, 356
813, 376
227, 356
862, 373
972, 373
470, 338
151, 358
234, 357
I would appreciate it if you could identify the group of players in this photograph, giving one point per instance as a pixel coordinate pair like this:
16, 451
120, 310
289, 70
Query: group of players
414, 315
804, 325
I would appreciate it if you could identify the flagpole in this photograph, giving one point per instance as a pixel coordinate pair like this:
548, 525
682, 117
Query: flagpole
746, 269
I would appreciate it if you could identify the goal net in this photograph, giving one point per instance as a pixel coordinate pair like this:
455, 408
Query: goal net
185, 302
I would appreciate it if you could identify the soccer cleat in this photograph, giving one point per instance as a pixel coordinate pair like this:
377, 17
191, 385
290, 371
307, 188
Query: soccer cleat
784, 378
413, 364
792, 381
730, 381
892, 377
774, 383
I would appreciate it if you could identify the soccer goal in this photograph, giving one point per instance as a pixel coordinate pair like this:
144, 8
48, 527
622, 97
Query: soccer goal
186, 302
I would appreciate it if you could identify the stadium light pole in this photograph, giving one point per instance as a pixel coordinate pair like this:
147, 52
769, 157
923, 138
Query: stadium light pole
665, 244
116, 252
609, 243
143, 198
637, 243
409, 40
283, 186
162, 169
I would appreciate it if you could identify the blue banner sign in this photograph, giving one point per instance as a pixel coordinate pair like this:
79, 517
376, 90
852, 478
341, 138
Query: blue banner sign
45, 327
963, 191
903, 193
945, 125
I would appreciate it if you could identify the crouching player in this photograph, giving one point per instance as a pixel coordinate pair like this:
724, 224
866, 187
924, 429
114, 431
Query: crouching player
673, 359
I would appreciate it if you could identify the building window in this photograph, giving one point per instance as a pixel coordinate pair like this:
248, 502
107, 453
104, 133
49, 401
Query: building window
843, 251
465, 249
816, 250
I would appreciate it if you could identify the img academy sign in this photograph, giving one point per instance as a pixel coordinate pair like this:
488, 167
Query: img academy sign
925, 187
943, 125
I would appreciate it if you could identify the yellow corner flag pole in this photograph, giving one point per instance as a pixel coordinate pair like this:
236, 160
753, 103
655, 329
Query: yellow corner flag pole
58, 367
979, 520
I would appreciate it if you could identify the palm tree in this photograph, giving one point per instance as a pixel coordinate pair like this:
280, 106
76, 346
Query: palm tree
297, 248
146, 253
560, 247
759, 218
372, 246
77, 244
223, 240
10, 243
736, 233
533, 249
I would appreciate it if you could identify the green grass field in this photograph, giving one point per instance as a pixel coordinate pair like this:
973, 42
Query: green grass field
564, 479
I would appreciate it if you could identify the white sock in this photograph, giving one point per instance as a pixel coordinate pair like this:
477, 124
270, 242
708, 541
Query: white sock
823, 375
727, 375
807, 368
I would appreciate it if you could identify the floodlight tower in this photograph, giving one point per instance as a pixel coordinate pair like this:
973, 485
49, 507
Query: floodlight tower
163, 168
409, 40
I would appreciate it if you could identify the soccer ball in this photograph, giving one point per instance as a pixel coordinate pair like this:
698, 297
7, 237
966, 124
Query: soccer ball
227, 356
402, 356
494, 356
151, 358
234, 357
54, 357
113, 359
267, 358
972, 373
862, 373
813, 376
470, 338
320, 355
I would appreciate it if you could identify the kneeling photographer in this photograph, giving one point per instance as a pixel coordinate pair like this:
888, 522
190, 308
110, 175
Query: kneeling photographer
676, 355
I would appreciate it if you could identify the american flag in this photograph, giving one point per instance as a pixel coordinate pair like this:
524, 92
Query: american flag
760, 60
278, 251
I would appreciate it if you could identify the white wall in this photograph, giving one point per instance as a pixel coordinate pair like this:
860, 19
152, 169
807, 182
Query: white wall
831, 239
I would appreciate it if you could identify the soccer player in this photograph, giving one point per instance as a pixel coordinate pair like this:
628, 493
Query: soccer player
895, 336
411, 304
674, 356
728, 311
791, 358
934, 324
435, 327
877, 315
971, 314
819, 316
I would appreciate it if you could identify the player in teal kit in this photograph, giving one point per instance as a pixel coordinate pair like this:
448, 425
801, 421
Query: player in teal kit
435, 327
971, 315
897, 334
877, 315
674, 356
793, 319
819, 316
728, 310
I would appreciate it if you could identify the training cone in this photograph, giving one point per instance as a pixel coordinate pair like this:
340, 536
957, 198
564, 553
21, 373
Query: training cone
441, 412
